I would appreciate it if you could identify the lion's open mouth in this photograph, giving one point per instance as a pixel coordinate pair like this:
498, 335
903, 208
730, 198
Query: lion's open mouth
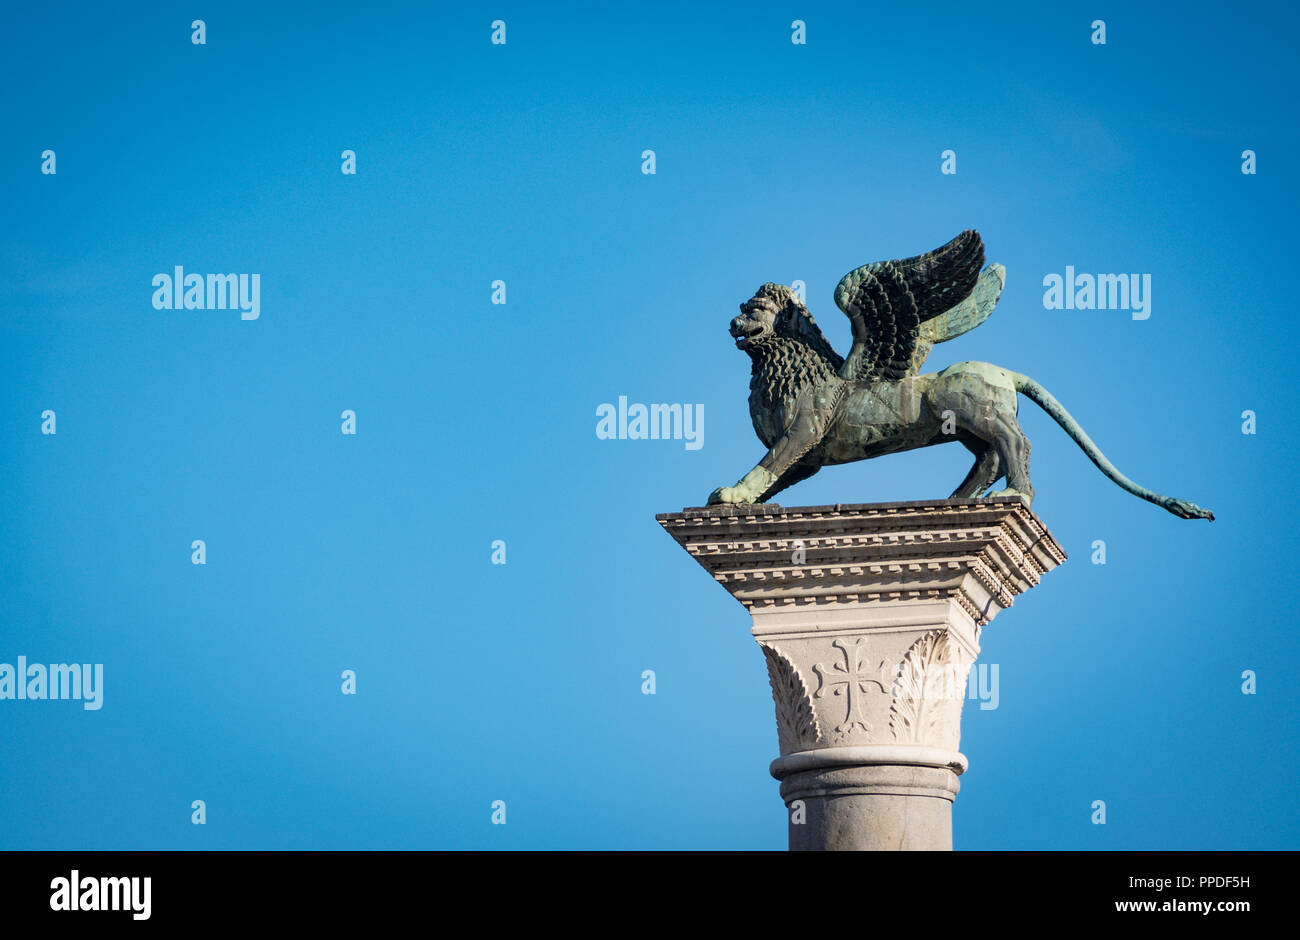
747, 335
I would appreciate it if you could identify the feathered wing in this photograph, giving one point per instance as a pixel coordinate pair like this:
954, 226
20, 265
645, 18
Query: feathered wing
963, 318
888, 301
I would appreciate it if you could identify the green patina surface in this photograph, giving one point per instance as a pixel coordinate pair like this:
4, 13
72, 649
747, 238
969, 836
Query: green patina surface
813, 408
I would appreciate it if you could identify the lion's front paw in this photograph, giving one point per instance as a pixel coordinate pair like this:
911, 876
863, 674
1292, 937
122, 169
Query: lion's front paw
726, 494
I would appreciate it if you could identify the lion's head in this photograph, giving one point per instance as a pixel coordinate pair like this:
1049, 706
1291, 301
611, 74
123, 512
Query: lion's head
774, 313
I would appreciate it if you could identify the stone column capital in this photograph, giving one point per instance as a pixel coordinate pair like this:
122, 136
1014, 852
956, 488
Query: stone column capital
869, 617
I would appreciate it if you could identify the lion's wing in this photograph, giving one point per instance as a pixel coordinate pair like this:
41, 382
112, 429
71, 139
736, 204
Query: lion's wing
963, 318
888, 301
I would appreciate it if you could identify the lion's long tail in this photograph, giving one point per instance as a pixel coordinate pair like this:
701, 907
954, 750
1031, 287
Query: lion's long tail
1044, 399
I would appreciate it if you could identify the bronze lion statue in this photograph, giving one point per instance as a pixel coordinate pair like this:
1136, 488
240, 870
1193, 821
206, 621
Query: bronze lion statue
811, 408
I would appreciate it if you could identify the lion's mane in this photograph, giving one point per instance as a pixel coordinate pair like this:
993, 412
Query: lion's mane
794, 357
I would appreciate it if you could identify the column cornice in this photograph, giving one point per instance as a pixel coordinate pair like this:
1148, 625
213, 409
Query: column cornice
770, 556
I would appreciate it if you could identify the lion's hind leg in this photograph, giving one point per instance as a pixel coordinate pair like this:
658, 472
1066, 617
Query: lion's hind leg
981, 398
1013, 450
985, 472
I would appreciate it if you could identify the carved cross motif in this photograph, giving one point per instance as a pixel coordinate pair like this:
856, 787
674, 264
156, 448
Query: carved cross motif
850, 680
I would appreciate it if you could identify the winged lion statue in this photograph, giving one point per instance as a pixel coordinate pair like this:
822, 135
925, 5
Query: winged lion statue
811, 408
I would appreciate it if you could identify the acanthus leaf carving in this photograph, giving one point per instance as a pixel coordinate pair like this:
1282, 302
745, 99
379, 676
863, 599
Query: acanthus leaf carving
928, 692
797, 727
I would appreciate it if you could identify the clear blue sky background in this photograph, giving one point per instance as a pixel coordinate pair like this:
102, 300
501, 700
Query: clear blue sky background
477, 422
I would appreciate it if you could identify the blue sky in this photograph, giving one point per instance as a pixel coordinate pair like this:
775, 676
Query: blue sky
522, 682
